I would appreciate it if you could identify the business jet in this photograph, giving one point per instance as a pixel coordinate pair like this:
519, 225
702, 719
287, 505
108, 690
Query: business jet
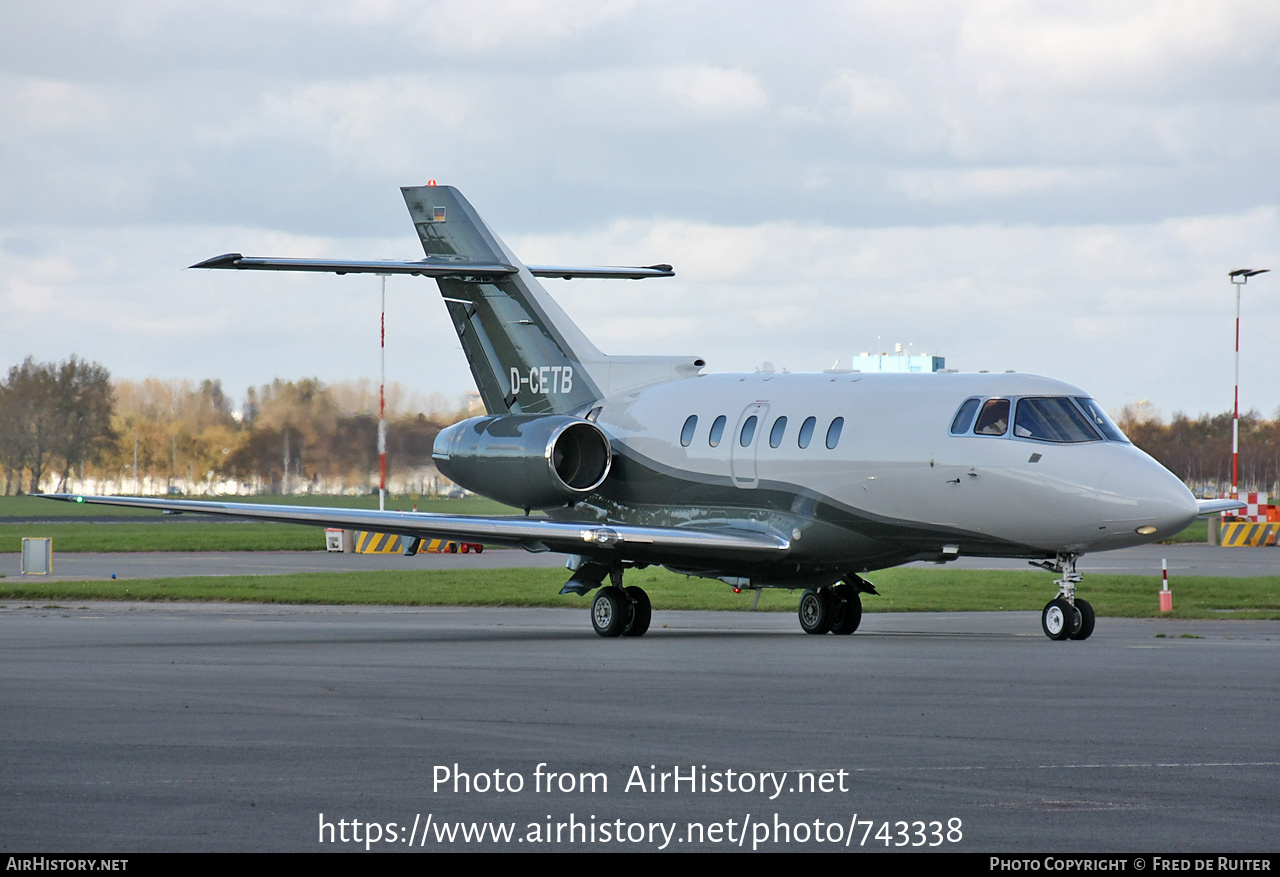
798, 481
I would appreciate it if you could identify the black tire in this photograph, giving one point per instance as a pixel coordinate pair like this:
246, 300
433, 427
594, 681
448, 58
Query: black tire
1059, 619
641, 612
1085, 629
610, 611
816, 611
848, 614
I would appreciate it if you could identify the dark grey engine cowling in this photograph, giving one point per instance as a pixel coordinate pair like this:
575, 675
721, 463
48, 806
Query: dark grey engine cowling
530, 461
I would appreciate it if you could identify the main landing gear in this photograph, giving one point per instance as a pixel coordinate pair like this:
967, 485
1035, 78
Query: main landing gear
1065, 616
617, 611
836, 609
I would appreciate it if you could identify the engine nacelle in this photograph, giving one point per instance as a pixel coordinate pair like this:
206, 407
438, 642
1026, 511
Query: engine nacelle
531, 461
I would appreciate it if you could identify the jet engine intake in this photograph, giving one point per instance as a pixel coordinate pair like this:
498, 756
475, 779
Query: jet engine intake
531, 461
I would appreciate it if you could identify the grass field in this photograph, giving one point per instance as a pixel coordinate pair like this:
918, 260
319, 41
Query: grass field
79, 528
901, 590
36, 507
1197, 532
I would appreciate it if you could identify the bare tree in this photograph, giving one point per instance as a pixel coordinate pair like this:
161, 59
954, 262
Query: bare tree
83, 402
53, 415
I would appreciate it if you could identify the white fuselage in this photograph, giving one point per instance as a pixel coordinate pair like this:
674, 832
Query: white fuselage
895, 469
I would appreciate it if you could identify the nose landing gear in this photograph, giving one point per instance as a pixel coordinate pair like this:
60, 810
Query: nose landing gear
1065, 616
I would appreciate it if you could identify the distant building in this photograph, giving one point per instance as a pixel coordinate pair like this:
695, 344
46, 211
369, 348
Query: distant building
898, 362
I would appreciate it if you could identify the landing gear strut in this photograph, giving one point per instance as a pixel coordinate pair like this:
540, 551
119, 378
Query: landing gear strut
1065, 616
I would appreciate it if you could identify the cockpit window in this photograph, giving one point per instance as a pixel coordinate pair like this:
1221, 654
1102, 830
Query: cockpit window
964, 417
1052, 419
994, 418
1100, 419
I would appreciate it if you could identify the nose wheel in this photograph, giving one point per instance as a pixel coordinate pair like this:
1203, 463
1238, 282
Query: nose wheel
1059, 618
1065, 616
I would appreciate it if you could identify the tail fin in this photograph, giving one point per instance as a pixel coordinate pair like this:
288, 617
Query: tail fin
525, 353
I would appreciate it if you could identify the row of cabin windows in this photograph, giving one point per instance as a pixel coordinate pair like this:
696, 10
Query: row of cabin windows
748, 432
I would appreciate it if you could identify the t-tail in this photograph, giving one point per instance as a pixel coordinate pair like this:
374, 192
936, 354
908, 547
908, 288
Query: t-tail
525, 353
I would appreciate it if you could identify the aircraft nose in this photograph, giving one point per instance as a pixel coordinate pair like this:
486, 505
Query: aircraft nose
1138, 493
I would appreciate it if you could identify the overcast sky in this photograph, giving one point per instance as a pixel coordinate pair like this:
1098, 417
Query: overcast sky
1046, 187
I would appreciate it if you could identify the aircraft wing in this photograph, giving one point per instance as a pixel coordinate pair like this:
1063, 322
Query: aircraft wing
532, 534
1213, 506
427, 267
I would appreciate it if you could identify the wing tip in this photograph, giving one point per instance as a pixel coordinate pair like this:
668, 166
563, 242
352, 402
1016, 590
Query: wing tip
226, 260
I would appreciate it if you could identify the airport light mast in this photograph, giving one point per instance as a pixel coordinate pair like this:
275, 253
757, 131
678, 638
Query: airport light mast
1239, 278
382, 404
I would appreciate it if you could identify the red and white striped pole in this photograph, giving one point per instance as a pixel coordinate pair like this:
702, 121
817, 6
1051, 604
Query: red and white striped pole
382, 406
1239, 278
1166, 596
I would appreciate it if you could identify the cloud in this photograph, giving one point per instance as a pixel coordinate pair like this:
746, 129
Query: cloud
1077, 302
714, 90
999, 181
954, 185
1122, 50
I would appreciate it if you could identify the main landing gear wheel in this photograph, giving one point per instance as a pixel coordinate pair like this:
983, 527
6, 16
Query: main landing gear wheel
817, 611
1085, 627
848, 613
1060, 619
611, 611
641, 612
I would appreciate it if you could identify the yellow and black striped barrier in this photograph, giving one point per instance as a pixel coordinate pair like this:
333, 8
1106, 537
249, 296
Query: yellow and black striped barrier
444, 546
385, 543
376, 543
1249, 534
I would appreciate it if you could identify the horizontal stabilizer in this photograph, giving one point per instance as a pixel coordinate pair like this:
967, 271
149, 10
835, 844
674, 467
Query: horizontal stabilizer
421, 267
566, 272
429, 267
1213, 506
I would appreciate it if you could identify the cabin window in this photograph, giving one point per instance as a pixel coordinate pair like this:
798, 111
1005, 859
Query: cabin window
833, 433
1100, 419
994, 418
964, 417
806, 431
686, 434
1052, 419
748, 431
775, 434
717, 430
